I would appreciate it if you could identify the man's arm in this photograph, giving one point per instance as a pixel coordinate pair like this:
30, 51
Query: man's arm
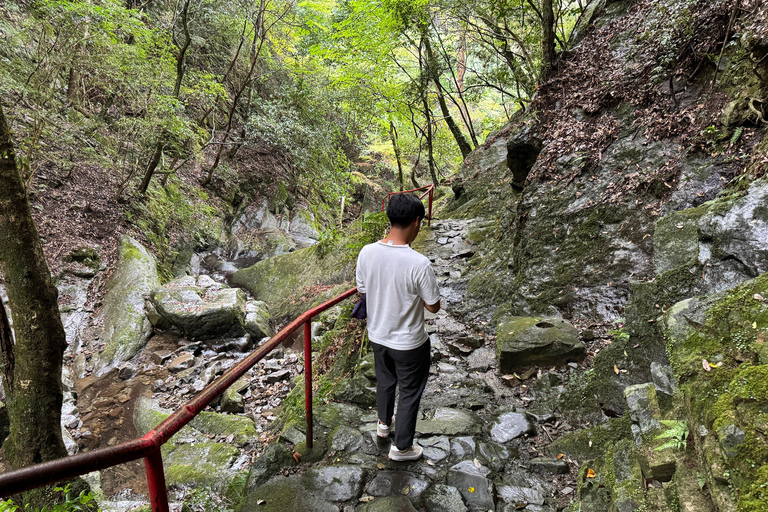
433, 308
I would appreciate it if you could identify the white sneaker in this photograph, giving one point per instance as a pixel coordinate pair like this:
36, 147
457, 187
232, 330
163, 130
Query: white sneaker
413, 453
383, 430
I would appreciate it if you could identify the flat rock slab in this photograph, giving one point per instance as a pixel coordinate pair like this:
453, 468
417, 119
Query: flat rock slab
284, 494
444, 498
397, 483
436, 448
473, 485
555, 466
525, 341
450, 422
510, 425
335, 483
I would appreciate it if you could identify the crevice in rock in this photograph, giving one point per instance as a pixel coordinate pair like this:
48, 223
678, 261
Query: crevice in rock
521, 156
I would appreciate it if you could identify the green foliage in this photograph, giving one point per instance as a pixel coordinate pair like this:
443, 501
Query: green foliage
677, 433
82, 502
173, 209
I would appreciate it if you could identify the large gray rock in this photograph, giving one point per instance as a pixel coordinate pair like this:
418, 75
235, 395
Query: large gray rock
444, 498
202, 312
523, 341
471, 481
125, 326
510, 425
728, 236
643, 408
451, 422
258, 321
275, 457
335, 483
284, 494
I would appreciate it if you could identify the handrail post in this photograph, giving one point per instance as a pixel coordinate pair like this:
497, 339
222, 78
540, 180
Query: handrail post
429, 219
308, 377
158, 494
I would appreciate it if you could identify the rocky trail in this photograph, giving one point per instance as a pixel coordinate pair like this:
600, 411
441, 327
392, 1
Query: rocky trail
483, 433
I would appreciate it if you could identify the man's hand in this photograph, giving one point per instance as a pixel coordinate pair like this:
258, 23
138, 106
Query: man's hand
433, 308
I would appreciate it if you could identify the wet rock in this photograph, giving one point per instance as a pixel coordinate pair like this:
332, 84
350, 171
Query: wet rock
293, 436
232, 401
258, 321
184, 361
275, 457
663, 378
463, 447
473, 485
126, 327
643, 408
481, 360
356, 390
126, 372
278, 375
388, 504
523, 341
346, 439
239, 344
493, 456
335, 483
554, 466
730, 438
284, 494
443, 498
435, 448
395, 483
452, 422
160, 357
515, 495
510, 425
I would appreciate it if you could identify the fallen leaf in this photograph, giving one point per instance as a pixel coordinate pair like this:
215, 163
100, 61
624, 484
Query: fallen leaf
590, 444
758, 297
365, 499
297, 457
429, 462
380, 465
615, 369
560, 456
477, 463
471, 490
590, 473
706, 365
407, 490
261, 502
754, 325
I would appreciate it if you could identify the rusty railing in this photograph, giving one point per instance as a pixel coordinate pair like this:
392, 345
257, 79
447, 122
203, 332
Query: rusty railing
430, 191
148, 446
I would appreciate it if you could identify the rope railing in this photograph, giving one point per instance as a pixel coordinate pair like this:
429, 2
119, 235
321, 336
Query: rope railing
430, 191
148, 446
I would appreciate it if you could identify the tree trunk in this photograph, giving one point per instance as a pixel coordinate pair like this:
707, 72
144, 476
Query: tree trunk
547, 37
461, 141
33, 390
393, 137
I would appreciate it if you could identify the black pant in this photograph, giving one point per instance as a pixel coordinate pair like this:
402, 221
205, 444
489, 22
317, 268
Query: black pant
409, 369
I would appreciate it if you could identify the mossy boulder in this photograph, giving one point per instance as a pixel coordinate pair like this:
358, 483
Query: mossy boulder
202, 312
125, 326
284, 494
523, 341
284, 281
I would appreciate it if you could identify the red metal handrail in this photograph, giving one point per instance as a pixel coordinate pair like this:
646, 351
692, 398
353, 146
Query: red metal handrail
148, 446
430, 190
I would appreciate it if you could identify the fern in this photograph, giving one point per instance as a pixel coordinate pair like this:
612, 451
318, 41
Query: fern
677, 433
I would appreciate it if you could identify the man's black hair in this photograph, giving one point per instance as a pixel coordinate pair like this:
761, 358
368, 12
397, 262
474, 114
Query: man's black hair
404, 209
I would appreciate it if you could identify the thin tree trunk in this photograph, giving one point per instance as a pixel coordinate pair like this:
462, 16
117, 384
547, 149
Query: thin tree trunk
33, 391
547, 37
393, 137
461, 141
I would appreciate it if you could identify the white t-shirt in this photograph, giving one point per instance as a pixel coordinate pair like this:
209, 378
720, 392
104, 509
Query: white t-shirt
395, 280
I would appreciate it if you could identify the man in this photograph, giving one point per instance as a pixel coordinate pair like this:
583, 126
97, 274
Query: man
399, 283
